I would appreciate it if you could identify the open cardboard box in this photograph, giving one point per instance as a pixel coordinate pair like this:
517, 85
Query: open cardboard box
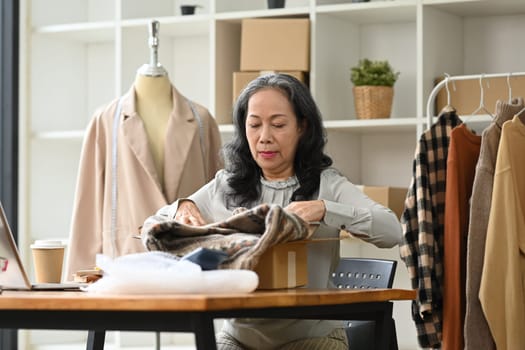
285, 265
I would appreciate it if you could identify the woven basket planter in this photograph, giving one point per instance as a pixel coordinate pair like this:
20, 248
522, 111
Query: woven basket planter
373, 102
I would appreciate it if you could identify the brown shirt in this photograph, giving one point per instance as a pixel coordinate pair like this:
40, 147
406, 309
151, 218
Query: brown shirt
461, 163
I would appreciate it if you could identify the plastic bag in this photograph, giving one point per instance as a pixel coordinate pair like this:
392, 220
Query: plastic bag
163, 273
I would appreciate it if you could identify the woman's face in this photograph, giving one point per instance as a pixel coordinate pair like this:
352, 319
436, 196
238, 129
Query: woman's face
273, 133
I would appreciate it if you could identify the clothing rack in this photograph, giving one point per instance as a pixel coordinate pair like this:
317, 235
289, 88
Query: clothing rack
441, 84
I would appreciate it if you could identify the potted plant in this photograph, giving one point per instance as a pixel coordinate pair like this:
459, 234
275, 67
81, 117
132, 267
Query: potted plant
373, 88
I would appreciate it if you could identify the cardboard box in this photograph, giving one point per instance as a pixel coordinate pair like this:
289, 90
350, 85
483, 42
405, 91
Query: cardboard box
280, 44
390, 197
241, 79
283, 266
466, 96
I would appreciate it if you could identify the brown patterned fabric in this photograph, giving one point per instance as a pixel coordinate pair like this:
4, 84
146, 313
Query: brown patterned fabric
244, 236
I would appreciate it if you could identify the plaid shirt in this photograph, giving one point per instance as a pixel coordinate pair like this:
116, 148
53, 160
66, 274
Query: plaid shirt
423, 226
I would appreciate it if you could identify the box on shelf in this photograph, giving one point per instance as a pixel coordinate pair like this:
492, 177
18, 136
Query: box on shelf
390, 197
283, 266
275, 44
241, 79
465, 95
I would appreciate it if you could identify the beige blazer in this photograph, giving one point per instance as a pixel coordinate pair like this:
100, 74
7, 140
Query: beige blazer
139, 191
502, 287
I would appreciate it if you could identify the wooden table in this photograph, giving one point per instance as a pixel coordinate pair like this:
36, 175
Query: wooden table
192, 313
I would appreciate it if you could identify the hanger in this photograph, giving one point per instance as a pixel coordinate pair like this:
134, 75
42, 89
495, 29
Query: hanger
482, 107
448, 107
520, 113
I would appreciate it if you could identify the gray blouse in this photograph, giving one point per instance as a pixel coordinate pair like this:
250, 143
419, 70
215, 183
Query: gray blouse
347, 208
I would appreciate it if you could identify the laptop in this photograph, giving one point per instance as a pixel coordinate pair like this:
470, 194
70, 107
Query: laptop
13, 275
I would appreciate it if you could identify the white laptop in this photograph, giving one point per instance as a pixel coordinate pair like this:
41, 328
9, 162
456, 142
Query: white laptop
13, 275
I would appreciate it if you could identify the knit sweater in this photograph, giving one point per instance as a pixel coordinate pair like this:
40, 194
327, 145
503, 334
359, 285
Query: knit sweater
476, 333
501, 291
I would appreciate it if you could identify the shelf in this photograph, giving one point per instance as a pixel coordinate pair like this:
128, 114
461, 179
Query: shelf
373, 12
83, 32
481, 8
362, 126
176, 26
285, 12
478, 119
369, 125
226, 128
373, 125
71, 135
253, 6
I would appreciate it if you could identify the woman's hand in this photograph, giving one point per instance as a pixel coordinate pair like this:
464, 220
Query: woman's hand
189, 214
308, 210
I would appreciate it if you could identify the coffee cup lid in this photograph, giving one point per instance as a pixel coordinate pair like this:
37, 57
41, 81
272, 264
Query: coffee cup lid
47, 244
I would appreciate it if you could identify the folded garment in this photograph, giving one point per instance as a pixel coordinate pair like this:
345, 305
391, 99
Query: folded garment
244, 236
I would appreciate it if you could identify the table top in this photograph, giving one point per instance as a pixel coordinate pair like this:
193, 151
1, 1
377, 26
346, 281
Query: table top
69, 300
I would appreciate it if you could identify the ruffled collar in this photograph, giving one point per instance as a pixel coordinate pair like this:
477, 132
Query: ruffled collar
281, 184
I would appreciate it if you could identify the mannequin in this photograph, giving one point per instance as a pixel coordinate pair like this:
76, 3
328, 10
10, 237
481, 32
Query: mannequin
154, 103
122, 154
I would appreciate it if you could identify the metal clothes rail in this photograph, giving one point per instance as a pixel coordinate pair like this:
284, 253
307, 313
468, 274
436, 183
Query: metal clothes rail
441, 84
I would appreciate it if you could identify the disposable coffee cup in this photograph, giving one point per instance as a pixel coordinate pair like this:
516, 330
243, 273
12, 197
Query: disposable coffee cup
48, 259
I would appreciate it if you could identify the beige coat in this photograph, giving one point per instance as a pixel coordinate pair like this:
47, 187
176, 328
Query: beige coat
502, 288
139, 191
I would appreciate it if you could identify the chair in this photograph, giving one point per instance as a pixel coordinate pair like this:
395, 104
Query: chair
365, 273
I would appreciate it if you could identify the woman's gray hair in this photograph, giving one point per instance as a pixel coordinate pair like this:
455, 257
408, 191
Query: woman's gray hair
309, 158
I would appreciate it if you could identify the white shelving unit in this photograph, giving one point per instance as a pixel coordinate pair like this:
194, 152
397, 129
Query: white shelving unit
78, 55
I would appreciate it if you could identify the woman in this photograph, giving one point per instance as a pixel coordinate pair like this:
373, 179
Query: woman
276, 156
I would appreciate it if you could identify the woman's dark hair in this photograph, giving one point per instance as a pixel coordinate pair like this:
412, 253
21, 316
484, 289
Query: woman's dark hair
310, 158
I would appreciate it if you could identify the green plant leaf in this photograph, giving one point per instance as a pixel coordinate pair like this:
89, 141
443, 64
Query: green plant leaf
377, 73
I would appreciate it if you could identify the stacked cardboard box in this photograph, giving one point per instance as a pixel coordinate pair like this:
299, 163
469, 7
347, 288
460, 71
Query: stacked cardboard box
276, 45
273, 45
390, 197
241, 79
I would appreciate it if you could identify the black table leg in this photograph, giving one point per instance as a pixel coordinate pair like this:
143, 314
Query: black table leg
393, 336
95, 340
383, 329
204, 332
9, 339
